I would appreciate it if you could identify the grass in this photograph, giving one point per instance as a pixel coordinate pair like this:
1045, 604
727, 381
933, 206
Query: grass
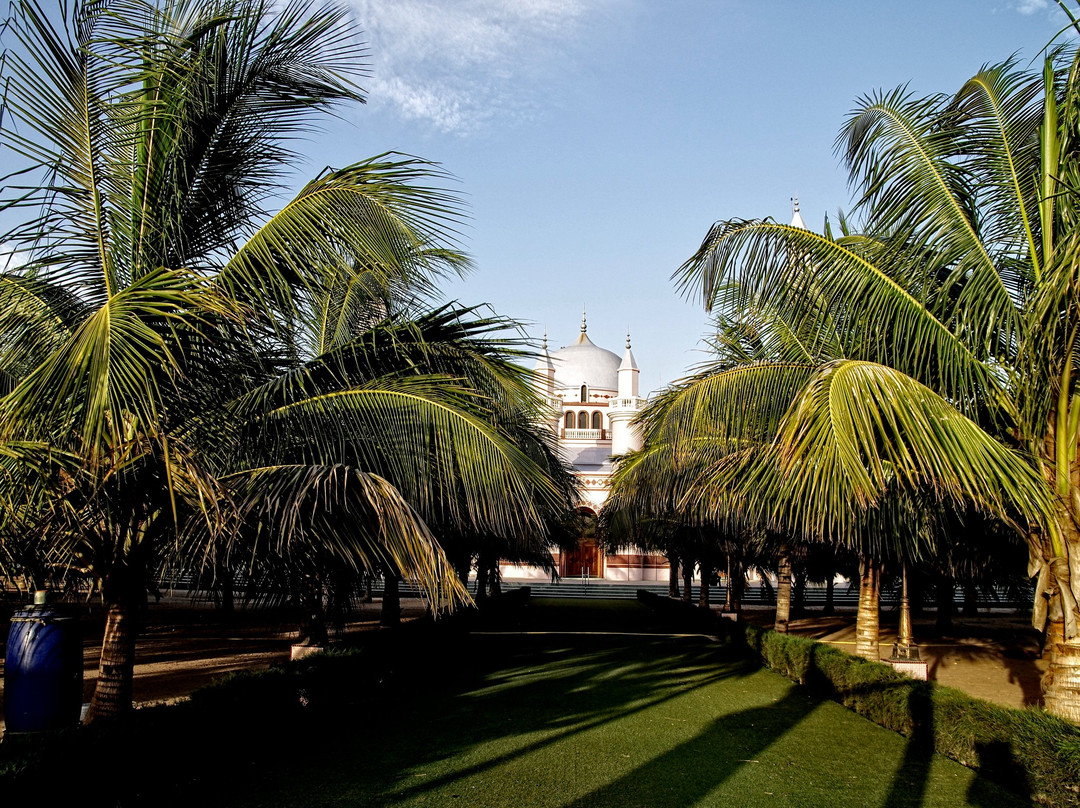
591, 720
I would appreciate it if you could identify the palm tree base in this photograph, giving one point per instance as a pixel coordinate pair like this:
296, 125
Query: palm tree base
1061, 685
116, 670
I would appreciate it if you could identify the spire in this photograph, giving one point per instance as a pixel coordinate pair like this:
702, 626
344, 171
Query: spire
545, 369
583, 337
628, 363
796, 217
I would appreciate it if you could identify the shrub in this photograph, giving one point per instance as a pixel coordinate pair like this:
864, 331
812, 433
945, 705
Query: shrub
1028, 751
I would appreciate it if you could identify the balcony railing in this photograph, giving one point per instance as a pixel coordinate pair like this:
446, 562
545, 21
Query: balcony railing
583, 434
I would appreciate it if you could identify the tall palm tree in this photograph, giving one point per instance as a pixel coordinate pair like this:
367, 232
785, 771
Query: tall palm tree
186, 367
957, 307
714, 428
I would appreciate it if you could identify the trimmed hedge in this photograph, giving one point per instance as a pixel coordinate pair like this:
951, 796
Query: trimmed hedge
1028, 751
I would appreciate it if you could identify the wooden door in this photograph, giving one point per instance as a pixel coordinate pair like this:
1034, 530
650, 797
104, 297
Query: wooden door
585, 557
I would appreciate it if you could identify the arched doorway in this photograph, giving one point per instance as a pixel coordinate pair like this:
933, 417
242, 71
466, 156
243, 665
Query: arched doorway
585, 558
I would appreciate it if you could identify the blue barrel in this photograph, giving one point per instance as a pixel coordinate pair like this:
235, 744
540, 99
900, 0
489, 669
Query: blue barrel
43, 670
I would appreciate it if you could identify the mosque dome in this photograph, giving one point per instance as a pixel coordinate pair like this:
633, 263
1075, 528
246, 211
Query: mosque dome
584, 362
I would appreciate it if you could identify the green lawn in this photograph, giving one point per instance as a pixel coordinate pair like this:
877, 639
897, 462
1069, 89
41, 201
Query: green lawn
621, 721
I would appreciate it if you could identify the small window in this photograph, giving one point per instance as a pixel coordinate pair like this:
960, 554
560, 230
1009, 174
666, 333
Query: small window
583, 420
597, 421
584, 393
569, 421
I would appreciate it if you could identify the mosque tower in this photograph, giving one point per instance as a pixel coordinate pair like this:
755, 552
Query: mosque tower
625, 436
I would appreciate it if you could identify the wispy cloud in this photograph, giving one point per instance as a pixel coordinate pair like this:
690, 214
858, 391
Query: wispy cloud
1031, 6
458, 65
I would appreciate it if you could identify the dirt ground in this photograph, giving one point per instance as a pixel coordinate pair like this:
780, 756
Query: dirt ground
994, 657
186, 646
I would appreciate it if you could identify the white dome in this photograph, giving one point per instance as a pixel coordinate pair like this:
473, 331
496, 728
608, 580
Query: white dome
586, 363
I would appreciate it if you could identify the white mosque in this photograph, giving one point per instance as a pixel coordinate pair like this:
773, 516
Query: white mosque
592, 397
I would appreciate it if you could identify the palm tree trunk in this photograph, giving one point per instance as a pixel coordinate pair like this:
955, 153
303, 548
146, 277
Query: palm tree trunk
798, 595
224, 586
736, 582
313, 629
703, 593
368, 581
783, 591
112, 694
971, 601
830, 588
481, 582
867, 634
673, 576
463, 566
688, 580
391, 601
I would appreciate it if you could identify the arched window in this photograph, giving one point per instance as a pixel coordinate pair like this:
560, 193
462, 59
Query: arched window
569, 421
583, 420
584, 392
597, 421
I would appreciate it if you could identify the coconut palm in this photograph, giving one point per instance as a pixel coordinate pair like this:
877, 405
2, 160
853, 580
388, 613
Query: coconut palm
188, 370
956, 304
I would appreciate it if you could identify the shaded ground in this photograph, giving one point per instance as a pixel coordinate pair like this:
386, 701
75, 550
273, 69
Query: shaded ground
601, 721
186, 646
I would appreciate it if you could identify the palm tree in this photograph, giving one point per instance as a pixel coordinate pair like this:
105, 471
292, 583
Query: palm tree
956, 305
187, 370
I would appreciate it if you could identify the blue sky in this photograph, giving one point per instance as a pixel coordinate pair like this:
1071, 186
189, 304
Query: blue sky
597, 140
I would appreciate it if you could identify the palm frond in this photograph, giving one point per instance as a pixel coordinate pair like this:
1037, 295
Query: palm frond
373, 214
807, 277
860, 428
359, 518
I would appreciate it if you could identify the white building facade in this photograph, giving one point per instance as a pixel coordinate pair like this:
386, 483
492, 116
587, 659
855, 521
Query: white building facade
593, 396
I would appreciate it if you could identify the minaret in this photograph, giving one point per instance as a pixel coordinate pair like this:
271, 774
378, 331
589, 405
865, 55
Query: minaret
544, 372
628, 373
625, 436
544, 383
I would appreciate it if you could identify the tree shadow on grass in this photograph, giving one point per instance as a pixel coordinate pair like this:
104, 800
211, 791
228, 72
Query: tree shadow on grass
688, 772
909, 706
575, 693
908, 787
525, 695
